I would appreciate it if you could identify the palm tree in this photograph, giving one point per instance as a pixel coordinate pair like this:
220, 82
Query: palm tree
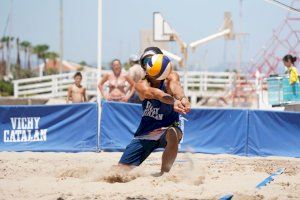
40, 50
7, 41
25, 45
2, 63
2, 51
18, 61
52, 56
4, 41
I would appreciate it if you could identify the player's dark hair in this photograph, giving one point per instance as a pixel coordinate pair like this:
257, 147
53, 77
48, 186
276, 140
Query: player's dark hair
78, 74
155, 49
290, 58
147, 52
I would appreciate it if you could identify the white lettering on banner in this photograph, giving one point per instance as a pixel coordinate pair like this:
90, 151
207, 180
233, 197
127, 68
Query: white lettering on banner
25, 129
150, 111
13, 122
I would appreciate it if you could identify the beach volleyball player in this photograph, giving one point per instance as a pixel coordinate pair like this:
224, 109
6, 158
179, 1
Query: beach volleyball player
163, 100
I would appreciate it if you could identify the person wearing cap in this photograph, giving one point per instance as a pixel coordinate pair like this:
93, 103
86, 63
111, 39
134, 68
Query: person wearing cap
136, 73
162, 102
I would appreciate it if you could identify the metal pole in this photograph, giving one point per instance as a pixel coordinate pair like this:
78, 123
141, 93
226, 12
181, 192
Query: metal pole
240, 45
209, 38
99, 71
61, 36
10, 16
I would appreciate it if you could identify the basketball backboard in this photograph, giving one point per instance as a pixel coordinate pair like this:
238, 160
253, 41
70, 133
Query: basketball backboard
162, 31
146, 40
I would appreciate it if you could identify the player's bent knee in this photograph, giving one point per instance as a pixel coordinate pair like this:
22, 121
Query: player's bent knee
173, 136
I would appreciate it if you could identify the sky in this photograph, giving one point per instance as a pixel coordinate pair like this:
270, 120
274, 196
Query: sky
38, 22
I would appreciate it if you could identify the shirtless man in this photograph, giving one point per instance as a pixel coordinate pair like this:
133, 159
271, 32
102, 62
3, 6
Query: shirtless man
76, 93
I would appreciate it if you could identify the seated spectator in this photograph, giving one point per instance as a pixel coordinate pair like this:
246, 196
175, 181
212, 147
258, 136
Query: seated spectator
76, 92
117, 84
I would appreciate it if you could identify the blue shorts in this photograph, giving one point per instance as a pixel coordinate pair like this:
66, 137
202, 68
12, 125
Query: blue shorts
139, 149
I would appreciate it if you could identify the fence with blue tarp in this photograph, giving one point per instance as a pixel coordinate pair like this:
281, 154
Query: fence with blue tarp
274, 133
73, 128
232, 131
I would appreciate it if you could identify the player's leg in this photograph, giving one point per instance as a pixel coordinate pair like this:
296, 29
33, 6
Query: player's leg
172, 137
136, 152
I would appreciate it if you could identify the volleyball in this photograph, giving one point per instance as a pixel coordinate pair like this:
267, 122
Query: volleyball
158, 67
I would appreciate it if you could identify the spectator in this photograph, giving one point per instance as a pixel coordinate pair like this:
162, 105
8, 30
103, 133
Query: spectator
76, 93
117, 84
136, 73
289, 62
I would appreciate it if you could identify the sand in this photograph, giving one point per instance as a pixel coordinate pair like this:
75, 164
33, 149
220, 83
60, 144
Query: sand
194, 176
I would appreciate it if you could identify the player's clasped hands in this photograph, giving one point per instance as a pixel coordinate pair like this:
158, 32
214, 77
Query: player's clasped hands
182, 106
186, 103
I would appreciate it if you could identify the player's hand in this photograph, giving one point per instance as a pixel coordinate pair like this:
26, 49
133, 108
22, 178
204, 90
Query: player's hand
178, 107
186, 104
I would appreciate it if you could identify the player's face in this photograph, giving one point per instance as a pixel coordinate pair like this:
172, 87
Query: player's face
153, 80
77, 80
116, 67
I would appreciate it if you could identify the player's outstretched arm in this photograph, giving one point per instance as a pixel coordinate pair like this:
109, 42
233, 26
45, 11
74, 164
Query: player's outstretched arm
147, 92
176, 90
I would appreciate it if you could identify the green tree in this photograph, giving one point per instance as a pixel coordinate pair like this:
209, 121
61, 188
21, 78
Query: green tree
6, 88
7, 40
18, 61
82, 63
52, 56
26, 47
2, 63
2, 51
40, 50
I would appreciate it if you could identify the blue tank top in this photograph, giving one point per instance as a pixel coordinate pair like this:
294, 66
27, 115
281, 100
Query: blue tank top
156, 114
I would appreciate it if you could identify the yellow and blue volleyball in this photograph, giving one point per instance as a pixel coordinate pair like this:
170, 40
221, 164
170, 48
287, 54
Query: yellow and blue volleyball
159, 67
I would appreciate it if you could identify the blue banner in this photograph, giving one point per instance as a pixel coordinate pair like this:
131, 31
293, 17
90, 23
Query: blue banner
68, 128
207, 131
274, 133
232, 131
119, 122
215, 131
73, 128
